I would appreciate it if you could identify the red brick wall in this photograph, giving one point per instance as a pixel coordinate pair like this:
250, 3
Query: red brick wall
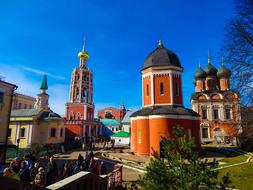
117, 113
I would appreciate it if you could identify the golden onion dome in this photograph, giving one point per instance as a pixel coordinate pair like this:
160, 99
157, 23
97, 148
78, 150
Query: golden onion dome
83, 55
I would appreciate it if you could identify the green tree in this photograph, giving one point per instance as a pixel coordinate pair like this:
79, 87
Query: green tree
181, 167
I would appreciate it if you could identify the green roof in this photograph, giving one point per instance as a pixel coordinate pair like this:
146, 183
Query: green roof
223, 71
121, 134
44, 83
25, 112
50, 116
110, 122
200, 73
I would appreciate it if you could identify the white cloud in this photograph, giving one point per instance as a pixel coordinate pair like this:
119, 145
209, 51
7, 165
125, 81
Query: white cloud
58, 92
36, 71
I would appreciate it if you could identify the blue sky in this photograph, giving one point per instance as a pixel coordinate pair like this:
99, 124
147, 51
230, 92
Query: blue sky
38, 37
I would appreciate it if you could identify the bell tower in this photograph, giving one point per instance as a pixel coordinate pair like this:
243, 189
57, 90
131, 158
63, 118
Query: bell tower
80, 108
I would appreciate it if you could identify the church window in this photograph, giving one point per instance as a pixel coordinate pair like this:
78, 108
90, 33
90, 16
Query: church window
204, 132
61, 132
78, 116
177, 89
78, 76
9, 132
77, 92
71, 116
215, 113
22, 132
147, 90
53, 132
228, 113
161, 88
204, 113
1, 97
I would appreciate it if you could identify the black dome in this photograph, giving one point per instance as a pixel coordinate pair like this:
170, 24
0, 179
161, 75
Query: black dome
161, 57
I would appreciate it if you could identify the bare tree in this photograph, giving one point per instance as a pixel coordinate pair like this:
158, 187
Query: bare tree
238, 50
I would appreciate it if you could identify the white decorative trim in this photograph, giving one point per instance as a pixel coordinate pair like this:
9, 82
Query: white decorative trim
165, 116
171, 88
143, 91
152, 89
174, 117
166, 71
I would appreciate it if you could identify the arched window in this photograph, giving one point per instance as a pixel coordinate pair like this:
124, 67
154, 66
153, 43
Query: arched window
78, 76
71, 117
177, 89
147, 90
78, 116
77, 91
161, 89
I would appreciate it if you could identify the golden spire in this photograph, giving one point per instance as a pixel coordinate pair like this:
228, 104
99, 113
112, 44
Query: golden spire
160, 44
83, 54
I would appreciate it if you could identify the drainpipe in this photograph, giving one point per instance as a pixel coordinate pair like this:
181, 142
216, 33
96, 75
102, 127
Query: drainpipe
8, 124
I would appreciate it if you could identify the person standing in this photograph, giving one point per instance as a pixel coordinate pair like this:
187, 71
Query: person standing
52, 171
40, 178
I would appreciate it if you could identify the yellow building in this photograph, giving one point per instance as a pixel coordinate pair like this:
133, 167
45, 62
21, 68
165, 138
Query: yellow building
22, 101
6, 93
39, 125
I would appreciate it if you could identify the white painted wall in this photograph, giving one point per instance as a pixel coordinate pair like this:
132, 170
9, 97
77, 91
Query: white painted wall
122, 140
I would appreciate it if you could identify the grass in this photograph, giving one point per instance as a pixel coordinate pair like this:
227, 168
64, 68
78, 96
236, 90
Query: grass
241, 176
233, 160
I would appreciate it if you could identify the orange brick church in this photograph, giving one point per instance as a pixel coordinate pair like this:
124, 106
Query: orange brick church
162, 103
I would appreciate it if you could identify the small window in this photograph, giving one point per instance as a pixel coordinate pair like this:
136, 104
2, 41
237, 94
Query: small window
1, 97
161, 89
22, 132
71, 116
228, 113
78, 116
177, 90
205, 133
9, 132
61, 132
53, 132
116, 129
147, 90
204, 114
216, 114
19, 105
25, 106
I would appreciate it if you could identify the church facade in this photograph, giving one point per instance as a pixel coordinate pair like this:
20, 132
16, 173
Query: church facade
80, 121
217, 104
39, 125
162, 104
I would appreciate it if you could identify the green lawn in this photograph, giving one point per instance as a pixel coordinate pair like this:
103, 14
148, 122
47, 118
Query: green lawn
233, 160
241, 176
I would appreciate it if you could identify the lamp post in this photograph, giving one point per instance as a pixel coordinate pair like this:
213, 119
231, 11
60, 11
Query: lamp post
18, 141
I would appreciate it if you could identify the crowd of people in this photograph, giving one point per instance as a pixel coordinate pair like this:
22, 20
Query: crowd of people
28, 172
